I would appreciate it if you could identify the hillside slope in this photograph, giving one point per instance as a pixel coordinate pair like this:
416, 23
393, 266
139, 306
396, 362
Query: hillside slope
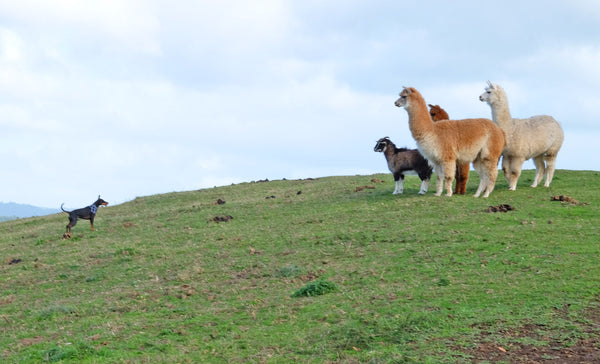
183, 277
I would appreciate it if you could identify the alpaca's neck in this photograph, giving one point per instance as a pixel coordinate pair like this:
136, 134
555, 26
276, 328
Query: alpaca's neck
389, 152
501, 113
419, 120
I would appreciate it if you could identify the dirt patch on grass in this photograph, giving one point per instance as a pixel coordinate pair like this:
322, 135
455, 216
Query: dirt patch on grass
534, 344
568, 200
500, 208
28, 341
221, 218
584, 351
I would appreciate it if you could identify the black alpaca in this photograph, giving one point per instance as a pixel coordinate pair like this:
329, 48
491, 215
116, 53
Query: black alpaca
402, 160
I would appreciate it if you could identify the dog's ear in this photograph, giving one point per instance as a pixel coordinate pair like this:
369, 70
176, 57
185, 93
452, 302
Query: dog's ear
98, 197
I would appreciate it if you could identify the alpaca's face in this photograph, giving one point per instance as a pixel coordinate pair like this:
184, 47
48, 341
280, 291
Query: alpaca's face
381, 145
491, 94
487, 96
403, 100
437, 113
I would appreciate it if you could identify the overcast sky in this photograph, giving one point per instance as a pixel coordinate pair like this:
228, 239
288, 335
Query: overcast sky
132, 98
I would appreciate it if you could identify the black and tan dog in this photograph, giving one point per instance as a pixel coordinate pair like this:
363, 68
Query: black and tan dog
87, 213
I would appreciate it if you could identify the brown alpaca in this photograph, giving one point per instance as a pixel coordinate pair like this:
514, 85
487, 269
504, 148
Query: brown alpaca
450, 141
437, 113
462, 170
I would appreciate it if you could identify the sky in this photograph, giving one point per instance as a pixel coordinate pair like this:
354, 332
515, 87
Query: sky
139, 97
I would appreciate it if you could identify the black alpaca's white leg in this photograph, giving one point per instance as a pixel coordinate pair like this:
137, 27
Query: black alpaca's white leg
399, 185
424, 186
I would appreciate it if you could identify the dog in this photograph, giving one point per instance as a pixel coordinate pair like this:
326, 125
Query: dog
87, 213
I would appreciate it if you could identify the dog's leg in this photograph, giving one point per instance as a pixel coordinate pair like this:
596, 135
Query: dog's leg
72, 222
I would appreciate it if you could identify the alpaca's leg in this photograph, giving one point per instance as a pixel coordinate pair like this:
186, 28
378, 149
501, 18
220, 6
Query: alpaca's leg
491, 176
439, 171
458, 179
399, 186
509, 173
424, 186
506, 169
540, 169
514, 166
449, 170
482, 183
462, 176
439, 186
550, 164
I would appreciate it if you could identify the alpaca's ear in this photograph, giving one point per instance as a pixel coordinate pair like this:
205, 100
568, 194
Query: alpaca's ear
490, 85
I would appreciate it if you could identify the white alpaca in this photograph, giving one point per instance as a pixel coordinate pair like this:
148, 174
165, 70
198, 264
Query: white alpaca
539, 137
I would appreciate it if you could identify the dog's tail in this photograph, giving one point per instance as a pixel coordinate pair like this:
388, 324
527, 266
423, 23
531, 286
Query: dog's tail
61, 207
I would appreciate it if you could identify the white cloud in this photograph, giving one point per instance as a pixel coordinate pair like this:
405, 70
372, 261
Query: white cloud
130, 24
11, 47
576, 149
562, 63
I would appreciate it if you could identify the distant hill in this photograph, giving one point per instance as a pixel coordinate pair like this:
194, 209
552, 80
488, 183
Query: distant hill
11, 211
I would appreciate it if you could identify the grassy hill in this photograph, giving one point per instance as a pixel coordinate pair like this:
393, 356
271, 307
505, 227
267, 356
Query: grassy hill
181, 278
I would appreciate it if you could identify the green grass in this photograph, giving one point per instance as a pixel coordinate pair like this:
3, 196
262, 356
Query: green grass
416, 278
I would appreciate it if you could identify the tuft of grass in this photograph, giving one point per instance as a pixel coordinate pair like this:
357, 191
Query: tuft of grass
316, 288
54, 310
289, 271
